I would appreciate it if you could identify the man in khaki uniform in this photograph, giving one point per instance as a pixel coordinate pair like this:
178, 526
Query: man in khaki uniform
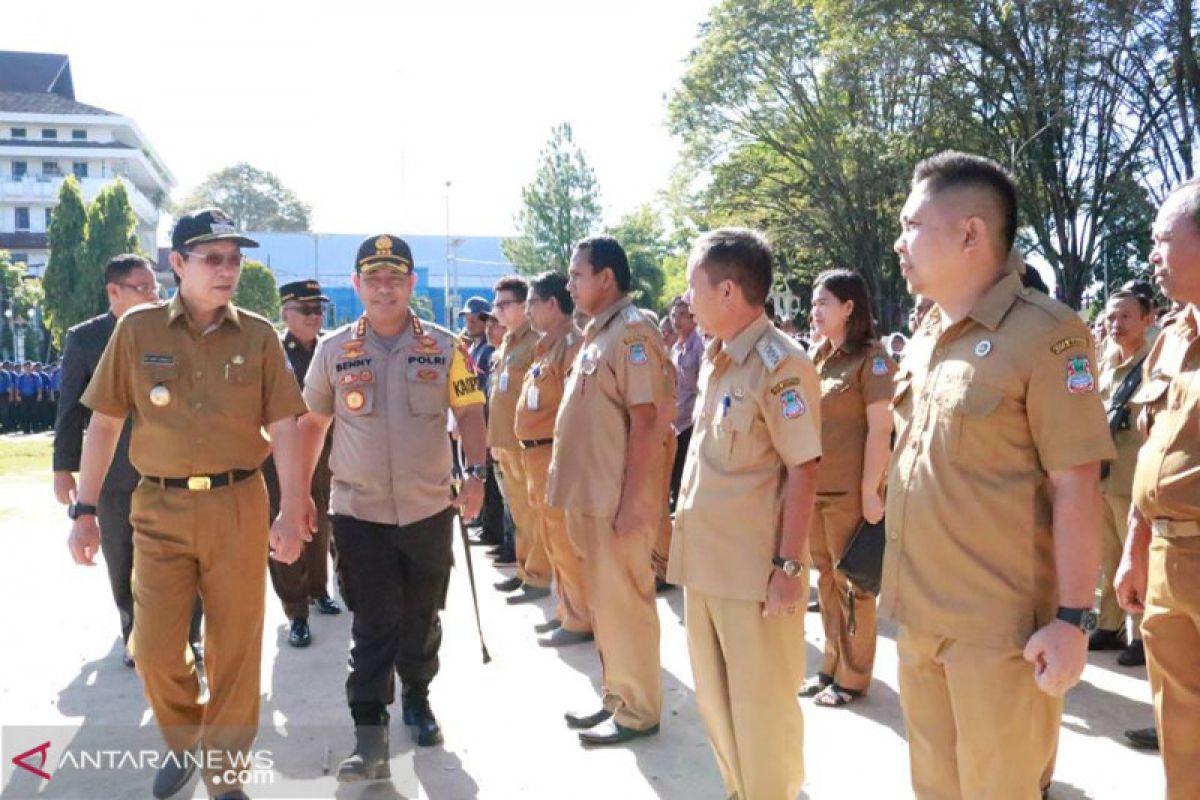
511, 363
201, 378
607, 472
390, 379
550, 307
1160, 571
742, 520
992, 545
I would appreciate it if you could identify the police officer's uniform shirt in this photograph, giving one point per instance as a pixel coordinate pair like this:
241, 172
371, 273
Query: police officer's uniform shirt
759, 414
1113, 371
511, 362
199, 399
391, 459
545, 381
851, 380
1166, 483
983, 410
622, 364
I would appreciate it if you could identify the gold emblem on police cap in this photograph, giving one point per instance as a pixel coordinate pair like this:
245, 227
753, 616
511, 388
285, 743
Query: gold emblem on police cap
383, 246
160, 395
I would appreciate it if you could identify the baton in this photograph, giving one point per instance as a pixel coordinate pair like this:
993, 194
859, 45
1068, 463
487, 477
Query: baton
462, 525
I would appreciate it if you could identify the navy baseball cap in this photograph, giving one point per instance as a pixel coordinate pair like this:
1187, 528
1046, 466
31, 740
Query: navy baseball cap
476, 306
207, 225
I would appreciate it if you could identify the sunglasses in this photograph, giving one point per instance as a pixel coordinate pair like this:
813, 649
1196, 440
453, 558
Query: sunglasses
308, 310
217, 259
140, 288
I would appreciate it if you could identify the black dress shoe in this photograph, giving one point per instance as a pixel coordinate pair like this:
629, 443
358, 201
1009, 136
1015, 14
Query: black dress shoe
661, 586
495, 552
418, 716
299, 635
1102, 639
814, 606
528, 594
176, 770
547, 626
509, 585
127, 660
1134, 655
611, 732
561, 637
577, 721
1143, 738
327, 605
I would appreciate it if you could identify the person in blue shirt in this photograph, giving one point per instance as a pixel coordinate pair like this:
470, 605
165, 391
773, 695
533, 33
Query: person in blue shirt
8, 391
29, 392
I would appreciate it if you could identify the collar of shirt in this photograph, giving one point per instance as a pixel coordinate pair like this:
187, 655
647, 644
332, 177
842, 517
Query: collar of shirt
689, 344
511, 337
826, 350
739, 347
175, 310
989, 310
604, 317
1119, 363
552, 337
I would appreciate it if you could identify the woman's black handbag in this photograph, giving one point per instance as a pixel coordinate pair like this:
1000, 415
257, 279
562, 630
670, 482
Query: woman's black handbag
862, 562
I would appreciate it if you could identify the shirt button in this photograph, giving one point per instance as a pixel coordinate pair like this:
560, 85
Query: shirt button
939, 352
199, 374
893, 536
196, 405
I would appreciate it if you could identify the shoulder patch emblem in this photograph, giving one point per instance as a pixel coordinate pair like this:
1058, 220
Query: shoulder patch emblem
1058, 348
770, 352
786, 383
878, 366
1079, 376
793, 404
637, 354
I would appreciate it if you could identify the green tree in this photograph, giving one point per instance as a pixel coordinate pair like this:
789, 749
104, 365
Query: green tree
560, 207
641, 234
65, 271
254, 199
257, 291
111, 230
422, 306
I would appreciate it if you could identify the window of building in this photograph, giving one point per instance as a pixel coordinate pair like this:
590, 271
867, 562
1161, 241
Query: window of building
49, 213
49, 133
79, 135
18, 133
20, 258
50, 169
80, 169
19, 168
22, 219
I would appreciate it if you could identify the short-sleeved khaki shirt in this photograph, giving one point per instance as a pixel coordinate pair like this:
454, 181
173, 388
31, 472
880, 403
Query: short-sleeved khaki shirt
542, 389
1128, 440
759, 414
391, 458
511, 362
851, 380
984, 409
1166, 484
622, 364
199, 400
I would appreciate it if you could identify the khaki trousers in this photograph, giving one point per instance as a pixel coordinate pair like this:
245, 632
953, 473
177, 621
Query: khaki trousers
1172, 630
566, 564
214, 543
533, 563
1114, 513
978, 727
620, 588
748, 671
662, 545
848, 659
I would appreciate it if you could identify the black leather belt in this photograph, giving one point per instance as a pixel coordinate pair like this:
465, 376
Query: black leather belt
528, 443
202, 483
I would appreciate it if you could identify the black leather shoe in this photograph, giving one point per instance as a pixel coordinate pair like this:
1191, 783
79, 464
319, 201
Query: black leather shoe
510, 585
1102, 639
610, 733
369, 761
528, 594
1143, 738
661, 586
577, 721
176, 770
480, 539
814, 606
327, 605
299, 635
495, 552
1134, 655
418, 716
547, 626
561, 637
127, 660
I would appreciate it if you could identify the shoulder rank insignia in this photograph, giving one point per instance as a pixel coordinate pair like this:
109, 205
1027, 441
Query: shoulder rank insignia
769, 351
631, 315
1066, 344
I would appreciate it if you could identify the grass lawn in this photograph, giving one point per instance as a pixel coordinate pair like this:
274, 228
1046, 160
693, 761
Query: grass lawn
25, 456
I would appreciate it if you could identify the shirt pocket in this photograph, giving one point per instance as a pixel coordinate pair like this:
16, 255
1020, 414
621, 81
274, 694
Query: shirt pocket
977, 432
1151, 398
426, 390
243, 378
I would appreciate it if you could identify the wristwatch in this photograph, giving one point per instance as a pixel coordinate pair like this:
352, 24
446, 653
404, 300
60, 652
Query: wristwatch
476, 471
1085, 619
790, 566
77, 510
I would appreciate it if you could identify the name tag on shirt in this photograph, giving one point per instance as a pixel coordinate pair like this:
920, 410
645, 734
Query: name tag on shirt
531, 398
504, 381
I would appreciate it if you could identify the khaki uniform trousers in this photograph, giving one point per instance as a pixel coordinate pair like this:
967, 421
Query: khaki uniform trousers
619, 582
1172, 630
565, 561
1114, 528
748, 671
533, 563
662, 545
978, 727
215, 543
848, 660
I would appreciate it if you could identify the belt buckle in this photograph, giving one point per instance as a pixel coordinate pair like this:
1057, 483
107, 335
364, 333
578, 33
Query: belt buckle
199, 483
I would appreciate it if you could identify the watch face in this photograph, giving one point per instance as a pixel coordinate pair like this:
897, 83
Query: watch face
792, 568
1090, 621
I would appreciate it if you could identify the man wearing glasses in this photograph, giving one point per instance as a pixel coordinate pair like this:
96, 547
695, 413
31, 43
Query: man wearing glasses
302, 582
206, 383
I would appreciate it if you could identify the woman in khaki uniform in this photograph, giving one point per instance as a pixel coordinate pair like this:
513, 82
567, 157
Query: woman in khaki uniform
856, 426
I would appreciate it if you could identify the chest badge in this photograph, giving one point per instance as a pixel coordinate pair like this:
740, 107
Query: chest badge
160, 395
238, 360
983, 348
355, 400
879, 366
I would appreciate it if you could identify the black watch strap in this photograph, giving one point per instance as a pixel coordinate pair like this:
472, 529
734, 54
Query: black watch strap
1083, 618
77, 510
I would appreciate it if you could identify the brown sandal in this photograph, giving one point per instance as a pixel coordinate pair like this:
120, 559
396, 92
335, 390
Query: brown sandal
835, 696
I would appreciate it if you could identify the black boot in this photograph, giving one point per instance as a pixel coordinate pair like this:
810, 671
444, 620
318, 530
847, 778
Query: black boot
418, 716
369, 761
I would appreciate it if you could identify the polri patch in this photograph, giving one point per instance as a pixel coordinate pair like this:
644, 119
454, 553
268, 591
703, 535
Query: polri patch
878, 366
1060, 347
158, 358
637, 354
793, 404
1079, 376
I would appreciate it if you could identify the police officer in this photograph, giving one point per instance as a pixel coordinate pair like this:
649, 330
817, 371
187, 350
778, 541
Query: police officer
202, 379
304, 581
1159, 575
992, 545
608, 472
742, 521
29, 394
550, 308
511, 363
389, 379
